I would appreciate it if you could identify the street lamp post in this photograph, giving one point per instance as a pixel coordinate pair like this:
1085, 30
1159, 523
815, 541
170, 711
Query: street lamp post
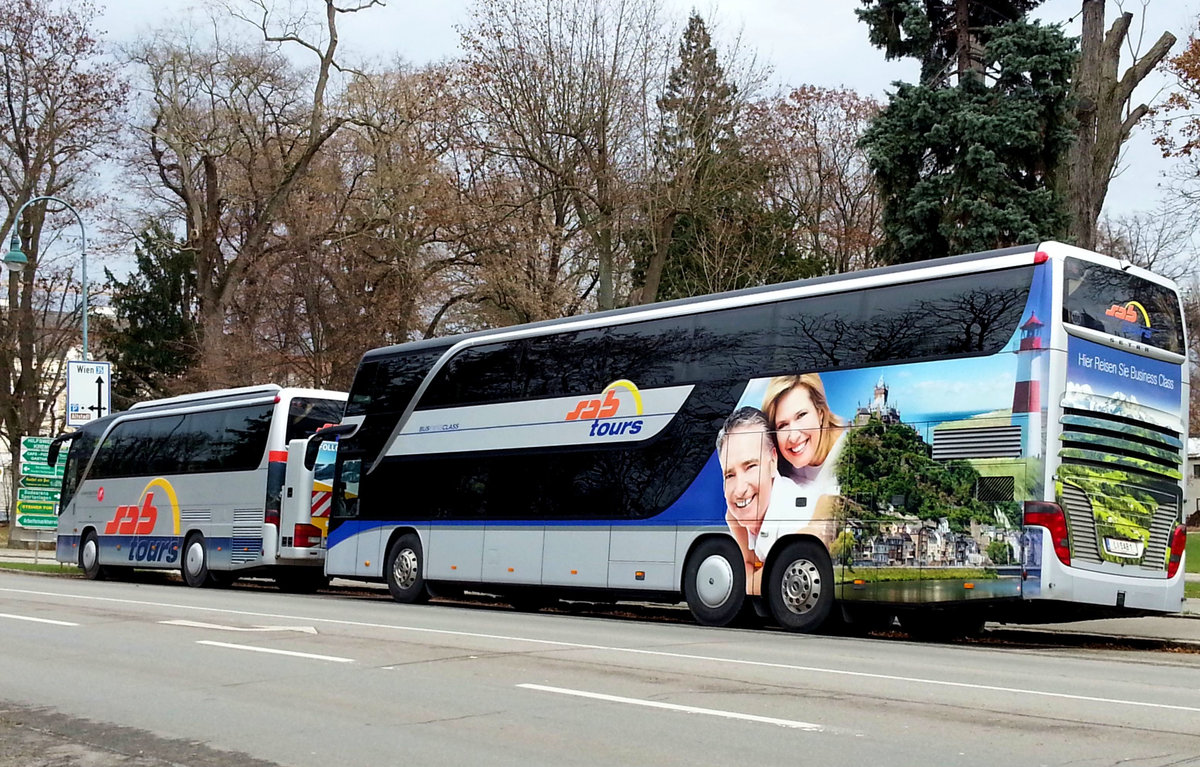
16, 260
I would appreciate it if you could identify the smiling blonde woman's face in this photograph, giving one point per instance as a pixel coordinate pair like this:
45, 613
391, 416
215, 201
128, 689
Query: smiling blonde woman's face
797, 427
748, 461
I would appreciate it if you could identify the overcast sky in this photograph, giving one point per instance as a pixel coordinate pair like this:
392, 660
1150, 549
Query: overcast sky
816, 42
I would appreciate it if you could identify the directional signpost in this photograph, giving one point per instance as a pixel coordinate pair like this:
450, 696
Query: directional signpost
38, 485
89, 391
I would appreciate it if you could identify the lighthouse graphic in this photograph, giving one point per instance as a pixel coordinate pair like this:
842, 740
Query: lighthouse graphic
1027, 394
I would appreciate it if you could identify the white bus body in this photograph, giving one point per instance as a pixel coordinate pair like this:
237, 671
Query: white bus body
201, 484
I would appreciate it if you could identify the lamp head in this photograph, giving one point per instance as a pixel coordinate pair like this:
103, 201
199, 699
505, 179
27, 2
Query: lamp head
15, 259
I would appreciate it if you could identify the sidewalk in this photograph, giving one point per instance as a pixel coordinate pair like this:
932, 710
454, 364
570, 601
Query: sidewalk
1182, 629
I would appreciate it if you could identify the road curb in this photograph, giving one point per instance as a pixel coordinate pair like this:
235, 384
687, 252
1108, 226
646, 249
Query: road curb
1026, 635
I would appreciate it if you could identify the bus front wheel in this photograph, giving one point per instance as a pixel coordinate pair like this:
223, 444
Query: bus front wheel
799, 588
714, 582
195, 562
405, 570
89, 557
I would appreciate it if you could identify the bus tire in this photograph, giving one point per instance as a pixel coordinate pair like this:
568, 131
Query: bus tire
799, 586
194, 564
405, 570
89, 558
714, 582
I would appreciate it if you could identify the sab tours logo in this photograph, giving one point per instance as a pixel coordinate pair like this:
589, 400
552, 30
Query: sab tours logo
140, 519
1134, 315
603, 411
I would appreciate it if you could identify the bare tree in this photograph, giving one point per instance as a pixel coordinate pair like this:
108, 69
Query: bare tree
1159, 240
365, 232
818, 175
231, 129
60, 104
561, 87
1105, 113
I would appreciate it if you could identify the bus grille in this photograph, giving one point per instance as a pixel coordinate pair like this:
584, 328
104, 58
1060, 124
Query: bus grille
247, 536
1119, 484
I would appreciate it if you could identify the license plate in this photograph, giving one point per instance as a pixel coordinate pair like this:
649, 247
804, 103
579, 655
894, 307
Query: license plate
1120, 547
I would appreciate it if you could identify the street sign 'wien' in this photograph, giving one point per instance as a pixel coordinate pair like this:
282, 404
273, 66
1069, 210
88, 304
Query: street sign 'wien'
89, 392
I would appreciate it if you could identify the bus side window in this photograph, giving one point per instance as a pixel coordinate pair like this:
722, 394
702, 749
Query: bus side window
480, 374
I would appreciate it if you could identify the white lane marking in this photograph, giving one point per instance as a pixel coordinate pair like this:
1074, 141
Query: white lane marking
623, 650
675, 707
219, 627
37, 620
273, 651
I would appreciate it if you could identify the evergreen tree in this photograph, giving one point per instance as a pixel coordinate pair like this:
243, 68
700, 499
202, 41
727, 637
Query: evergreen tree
699, 111
708, 227
971, 166
153, 341
934, 32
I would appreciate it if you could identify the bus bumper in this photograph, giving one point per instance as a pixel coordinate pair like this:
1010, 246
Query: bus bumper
1049, 579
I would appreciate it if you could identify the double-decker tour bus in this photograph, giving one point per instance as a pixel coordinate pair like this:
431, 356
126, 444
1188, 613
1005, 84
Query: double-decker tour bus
996, 435
201, 483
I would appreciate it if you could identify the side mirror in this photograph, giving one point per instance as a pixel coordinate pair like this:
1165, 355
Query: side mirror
323, 435
56, 445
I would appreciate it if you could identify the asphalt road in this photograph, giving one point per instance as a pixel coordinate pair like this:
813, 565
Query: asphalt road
151, 674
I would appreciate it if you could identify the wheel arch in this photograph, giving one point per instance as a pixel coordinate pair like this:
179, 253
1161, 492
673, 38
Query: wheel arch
782, 543
397, 534
88, 529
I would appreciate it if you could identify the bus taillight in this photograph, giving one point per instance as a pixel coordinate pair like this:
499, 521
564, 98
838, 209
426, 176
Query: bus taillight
307, 536
1178, 543
272, 517
1050, 516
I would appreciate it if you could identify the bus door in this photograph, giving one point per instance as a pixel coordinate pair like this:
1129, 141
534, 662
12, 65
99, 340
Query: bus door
304, 503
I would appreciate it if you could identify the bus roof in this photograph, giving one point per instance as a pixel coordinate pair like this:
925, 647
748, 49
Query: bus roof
217, 395
430, 343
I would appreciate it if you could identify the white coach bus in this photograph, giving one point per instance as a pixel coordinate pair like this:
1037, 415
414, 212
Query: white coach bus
990, 436
200, 483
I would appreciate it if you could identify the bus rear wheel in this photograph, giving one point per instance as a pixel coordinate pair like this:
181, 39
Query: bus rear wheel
89, 558
405, 570
799, 587
195, 562
714, 582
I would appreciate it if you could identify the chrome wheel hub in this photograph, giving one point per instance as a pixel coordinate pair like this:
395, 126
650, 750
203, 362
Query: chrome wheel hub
714, 581
404, 570
800, 587
194, 560
90, 554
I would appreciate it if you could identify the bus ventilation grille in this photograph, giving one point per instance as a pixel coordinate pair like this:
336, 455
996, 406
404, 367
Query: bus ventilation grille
1118, 472
1082, 524
195, 517
247, 536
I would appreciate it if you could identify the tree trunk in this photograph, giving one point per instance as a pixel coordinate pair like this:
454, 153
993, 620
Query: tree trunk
658, 259
1105, 119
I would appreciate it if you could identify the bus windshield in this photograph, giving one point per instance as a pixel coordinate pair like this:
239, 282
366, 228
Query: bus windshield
1122, 305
